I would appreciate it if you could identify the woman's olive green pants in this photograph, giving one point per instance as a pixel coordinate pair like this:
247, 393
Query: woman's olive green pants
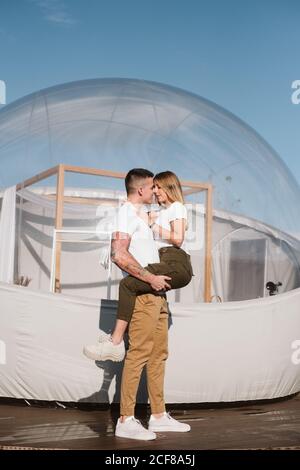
174, 262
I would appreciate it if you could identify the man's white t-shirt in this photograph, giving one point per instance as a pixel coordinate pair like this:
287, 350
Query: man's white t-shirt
175, 211
142, 245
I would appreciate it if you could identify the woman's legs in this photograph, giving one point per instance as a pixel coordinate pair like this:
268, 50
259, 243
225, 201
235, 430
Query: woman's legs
129, 288
174, 263
119, 331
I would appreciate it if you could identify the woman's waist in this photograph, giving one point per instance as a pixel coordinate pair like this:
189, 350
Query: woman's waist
163, 244
177, 258
173, 252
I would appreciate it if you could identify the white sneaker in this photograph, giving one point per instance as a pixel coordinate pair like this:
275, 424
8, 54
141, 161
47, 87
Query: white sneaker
167, 423
105, 351
132, 429
103, 337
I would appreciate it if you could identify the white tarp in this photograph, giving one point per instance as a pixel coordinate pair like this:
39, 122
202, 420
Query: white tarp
218, 352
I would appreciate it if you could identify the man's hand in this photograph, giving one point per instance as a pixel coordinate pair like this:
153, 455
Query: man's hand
160, 283
152, 216
122, 258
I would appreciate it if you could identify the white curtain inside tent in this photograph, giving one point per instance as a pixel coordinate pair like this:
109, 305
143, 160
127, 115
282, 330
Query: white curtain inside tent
7, 234
245, 253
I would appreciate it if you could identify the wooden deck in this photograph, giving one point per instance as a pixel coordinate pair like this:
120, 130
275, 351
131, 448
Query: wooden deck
258, 425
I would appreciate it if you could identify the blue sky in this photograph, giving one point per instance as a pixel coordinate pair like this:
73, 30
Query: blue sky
241, 54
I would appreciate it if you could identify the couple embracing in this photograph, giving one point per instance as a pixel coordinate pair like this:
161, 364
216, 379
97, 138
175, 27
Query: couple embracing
149, 248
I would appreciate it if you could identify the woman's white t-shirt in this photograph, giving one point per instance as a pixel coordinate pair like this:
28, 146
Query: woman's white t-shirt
175, 211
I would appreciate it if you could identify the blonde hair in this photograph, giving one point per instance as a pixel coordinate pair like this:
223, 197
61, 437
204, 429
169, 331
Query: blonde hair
170, 183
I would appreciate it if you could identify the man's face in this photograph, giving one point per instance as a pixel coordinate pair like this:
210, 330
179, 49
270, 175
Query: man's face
147, 191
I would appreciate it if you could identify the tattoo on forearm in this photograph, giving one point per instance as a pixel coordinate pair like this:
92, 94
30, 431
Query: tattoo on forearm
144, 272
125, 261
113, 253
137, 269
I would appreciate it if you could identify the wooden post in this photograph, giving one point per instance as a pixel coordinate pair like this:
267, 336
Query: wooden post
208, 245
59, 222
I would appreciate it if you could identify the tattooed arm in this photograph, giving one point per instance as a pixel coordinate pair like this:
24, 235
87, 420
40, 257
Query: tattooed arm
125, 261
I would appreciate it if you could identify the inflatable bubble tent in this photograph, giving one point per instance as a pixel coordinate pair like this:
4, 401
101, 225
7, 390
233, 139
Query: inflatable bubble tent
119, 124
238, 348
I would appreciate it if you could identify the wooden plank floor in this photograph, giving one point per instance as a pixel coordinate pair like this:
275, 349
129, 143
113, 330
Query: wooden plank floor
268, 425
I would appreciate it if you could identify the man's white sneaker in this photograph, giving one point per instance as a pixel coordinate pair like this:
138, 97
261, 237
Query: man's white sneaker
133, 429
105, 351
167, 424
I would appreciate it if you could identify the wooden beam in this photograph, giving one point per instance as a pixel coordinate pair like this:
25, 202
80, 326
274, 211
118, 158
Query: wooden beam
85, 200
39, 177
59, 223
208, 245
187, 192
94, 171
192, 184
115, 174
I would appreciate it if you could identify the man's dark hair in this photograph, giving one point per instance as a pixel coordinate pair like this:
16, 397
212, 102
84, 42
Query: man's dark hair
133, 178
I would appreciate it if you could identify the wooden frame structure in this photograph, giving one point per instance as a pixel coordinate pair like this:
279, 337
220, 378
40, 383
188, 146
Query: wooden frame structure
59, 171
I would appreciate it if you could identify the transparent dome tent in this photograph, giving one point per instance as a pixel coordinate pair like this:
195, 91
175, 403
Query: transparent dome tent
118, 124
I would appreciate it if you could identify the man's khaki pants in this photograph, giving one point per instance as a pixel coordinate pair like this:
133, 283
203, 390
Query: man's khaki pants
148, 345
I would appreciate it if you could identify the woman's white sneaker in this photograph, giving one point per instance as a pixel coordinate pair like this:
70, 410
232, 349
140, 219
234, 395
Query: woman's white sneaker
167, 424
104, 337
105, 351
132, 428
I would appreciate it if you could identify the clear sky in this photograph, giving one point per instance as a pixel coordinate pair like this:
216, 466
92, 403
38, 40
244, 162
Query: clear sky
241, 54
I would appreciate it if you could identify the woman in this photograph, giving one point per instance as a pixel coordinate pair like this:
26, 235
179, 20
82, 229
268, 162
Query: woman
169, 226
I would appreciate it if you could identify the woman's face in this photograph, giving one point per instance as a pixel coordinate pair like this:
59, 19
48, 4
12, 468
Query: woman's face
160, 194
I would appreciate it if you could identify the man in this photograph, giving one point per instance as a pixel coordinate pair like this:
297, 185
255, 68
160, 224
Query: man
133, 248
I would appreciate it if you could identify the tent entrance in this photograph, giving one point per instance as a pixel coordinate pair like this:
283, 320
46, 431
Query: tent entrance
247, 269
